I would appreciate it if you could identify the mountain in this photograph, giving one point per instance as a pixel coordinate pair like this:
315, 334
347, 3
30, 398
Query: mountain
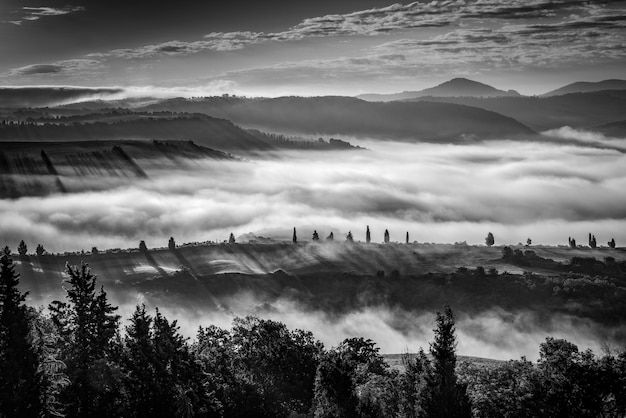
578, 110
413, 121
587, 87
457, 87
614, 129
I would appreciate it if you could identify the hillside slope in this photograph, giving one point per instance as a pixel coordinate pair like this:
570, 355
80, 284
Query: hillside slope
587, 87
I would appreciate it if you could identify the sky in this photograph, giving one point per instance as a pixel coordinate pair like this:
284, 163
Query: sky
302, 47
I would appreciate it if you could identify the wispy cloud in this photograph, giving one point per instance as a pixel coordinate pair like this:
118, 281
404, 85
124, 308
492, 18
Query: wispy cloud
36, 13
75, 67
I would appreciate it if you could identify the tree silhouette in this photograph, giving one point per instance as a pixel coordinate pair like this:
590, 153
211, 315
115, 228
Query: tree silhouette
171, 244
142, 246
386, 238
330, 237
40, 250
94, 250
295, 237
88, 325
22, 249
407, 237
315, 236
611, 243
368, 236
593, 243
231, 239
490, 240
572, 243
528, 242
349, 237
19, 390
448, 397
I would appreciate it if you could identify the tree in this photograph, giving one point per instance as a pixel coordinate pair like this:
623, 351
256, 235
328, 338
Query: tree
593, 243
315, 236
490, 240
19, 389
294, 238
528, 242
40, 250
94, 250
142, 246
171, 244
330, 237
231, 239
88, 325
448, 397
386, 237
572, 242
335, 395
368, 237
407, 237
611, 243
22, 249
349, 237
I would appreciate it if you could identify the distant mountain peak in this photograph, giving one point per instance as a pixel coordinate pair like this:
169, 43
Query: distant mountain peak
456, 87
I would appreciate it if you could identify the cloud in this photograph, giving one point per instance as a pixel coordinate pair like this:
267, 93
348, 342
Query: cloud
74, 67
30, 14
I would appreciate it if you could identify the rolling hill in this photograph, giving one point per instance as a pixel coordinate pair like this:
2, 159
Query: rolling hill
457, 87
418, 121
587, 87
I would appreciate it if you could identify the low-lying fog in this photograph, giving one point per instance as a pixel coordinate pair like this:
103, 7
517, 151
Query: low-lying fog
438, 193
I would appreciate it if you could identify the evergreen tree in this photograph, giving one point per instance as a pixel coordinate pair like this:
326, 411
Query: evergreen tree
490, 240
295, 237
94, 250
368, 237
171, 244
349, 237
231, 239
142, 246
19, 389
334, 393
89, 327
528, 242
315, 236
594, 243
330, 237
611, 243
386, 237
448, 398
22, 249
40, 250
407, 237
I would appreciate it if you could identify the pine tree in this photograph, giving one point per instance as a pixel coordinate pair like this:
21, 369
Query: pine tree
386, 237
330, 237
19, 389
448, 397
295, 237
612, 243
368, 236
22, 249
349, 237
89, 327
407, 237
231, 239
315, 236
171, 244
142, 246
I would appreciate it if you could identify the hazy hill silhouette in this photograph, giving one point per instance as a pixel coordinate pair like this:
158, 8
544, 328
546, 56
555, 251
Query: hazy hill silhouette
350, 116
615, 129
51, 96
457, 87
582, 110
587, 87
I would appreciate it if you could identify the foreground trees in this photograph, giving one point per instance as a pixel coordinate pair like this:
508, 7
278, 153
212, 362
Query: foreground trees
77, 362
19, 387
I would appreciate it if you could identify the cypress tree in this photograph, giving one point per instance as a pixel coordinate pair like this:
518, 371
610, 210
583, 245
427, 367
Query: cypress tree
368, 237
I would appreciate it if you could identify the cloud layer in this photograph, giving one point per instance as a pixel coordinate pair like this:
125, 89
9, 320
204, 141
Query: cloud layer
439, 193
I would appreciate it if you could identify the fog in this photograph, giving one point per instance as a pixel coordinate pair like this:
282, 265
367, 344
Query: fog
438, 193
